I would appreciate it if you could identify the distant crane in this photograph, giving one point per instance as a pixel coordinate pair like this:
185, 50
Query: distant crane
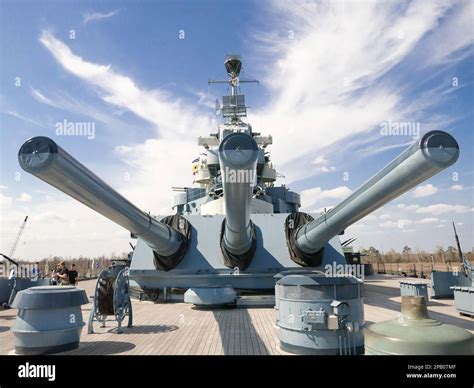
15, 244
17, 239
15, 287
466, 266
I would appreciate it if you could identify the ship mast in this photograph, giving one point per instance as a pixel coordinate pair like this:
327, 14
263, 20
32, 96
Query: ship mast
234, 104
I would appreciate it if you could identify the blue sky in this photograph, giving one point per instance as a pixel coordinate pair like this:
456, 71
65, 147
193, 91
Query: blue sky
331, 74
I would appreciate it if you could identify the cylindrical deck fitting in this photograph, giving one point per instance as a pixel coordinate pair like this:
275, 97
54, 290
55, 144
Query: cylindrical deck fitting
434, 152
43, 158
238, 153
414, 307
415, 333
49, 319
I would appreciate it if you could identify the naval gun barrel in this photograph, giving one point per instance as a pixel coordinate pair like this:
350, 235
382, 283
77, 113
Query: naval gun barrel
43, 158
434, 152
238, 154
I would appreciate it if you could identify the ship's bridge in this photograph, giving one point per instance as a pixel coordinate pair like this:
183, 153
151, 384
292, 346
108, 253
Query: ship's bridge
236, 126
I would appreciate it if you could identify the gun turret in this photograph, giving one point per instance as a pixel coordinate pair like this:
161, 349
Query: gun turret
238, 153
43, 158
434, 152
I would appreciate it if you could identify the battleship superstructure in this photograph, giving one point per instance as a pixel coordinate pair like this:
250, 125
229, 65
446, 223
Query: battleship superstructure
234, 227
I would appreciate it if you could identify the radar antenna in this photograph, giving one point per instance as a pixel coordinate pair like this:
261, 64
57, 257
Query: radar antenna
233, 105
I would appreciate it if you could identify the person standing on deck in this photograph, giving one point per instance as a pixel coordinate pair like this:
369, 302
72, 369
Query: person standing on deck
54, 276
72, 273
63, 275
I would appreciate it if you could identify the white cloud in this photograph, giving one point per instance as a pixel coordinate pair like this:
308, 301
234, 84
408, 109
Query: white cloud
316, 194
316, 82
385, 216
49, 216
96, 16
66, 102
319, 161
442, 208
5, 201
318, 78
38, 96
71, 229
425, 191
321, 166
407, 207
449, 43
372, 150
399, 224
428, 220
324, 169
457, 187
143, 160
24, 118
24, 197
170, 115
3, 187
370, 217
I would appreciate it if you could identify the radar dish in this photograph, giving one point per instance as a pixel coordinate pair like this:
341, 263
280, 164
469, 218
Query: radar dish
233, 65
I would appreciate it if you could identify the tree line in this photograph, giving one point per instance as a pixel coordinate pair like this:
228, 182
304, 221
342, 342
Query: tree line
85, 266
447, 256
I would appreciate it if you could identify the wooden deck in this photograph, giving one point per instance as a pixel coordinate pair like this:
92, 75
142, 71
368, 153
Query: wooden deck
178, 328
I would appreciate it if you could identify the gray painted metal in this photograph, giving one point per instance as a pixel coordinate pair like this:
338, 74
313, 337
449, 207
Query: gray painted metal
122, 305
318, 314
42, 157
434, 152
49, 319
442, 283
238, 153
415, 333
464, 300
5, 289
8, 287
410, 288
203, 264
282, 274
211, 296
